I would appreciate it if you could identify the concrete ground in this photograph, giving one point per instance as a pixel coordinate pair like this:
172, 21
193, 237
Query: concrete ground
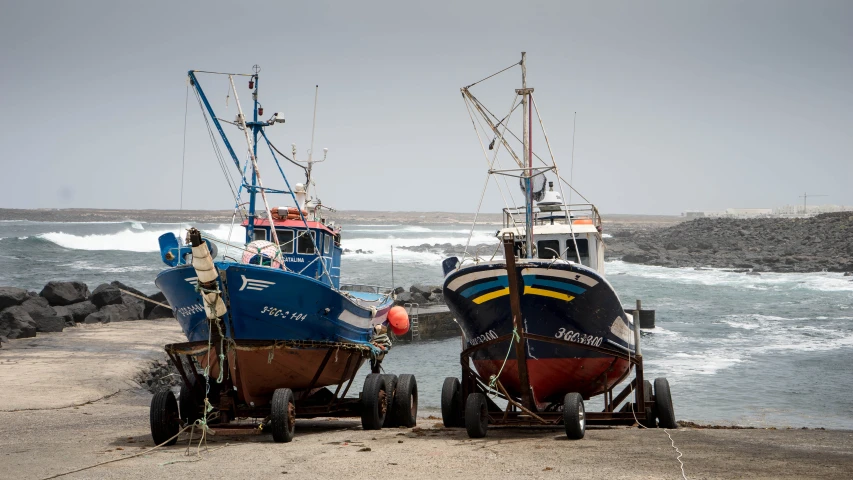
84, 409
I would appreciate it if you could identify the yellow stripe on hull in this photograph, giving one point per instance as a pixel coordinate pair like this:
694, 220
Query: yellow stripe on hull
547, 293
491, 295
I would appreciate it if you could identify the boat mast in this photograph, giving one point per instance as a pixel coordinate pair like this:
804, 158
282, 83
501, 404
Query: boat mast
250, 228
528, 158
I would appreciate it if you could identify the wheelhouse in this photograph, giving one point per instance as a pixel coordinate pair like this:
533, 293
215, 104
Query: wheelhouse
311, 251
571, 233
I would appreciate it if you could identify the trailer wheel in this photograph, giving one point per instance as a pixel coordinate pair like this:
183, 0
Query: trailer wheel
391, 386
476, 415
165, 422
663, 404
651, 413
574, 416
374, 403
283, 415
406, 401
451, 403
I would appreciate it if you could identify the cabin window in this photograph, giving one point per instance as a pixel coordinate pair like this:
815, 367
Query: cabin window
305, 244
328, 245
548, 249
260, 234
583, 250
285, 240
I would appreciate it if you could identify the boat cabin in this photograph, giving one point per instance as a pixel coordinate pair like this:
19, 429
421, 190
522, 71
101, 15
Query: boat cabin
571, 233
303, 249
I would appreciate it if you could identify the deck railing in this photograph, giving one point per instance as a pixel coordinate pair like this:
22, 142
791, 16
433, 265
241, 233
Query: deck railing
514, 217
364, 288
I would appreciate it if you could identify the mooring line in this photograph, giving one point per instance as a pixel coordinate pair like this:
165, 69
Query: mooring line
122, 458
683, 475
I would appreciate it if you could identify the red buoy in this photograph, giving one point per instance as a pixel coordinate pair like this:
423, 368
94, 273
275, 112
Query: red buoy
399, 320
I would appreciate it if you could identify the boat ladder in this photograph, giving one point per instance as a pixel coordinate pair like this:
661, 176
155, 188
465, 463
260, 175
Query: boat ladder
412, 309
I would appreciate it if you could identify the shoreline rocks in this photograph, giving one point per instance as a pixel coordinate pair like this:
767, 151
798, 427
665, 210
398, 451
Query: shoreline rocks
65, 304
788, 245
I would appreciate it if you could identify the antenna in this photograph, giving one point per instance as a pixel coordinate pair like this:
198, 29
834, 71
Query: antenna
805, 197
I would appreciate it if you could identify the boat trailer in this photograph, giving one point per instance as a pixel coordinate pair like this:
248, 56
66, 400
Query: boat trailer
469, 403
386, 400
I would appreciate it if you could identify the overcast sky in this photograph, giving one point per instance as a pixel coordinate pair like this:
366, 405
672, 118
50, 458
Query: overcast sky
680, 105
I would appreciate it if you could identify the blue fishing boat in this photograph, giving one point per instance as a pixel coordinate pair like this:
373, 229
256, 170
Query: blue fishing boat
269, 325
542, 327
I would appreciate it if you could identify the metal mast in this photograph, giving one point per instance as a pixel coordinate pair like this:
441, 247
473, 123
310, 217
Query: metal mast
528, 158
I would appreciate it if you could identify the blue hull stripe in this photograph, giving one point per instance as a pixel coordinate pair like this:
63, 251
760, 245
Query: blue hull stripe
482, 287
532, 280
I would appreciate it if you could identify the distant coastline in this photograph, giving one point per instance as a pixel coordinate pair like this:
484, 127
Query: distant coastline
340, 216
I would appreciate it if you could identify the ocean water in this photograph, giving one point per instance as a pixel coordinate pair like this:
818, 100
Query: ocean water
769, 350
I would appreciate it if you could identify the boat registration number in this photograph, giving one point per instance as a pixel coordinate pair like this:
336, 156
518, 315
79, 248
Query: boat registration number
583, 338
490, 335
279, 313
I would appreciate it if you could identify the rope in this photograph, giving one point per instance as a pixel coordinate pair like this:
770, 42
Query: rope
493, 380
633, 412
123, 458
144, 298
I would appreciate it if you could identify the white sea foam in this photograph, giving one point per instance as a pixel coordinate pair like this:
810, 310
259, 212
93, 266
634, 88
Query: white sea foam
821, 281
127, 240
108, 268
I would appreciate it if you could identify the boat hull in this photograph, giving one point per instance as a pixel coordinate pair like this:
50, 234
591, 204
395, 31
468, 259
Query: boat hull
278, 328
559, 300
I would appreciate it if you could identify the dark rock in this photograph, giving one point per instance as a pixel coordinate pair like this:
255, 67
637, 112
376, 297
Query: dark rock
404, 297
65, 293
848, 274
419, 298
638, 258
160, 312
10, 296
43, 314
65, 314
121, 313
436, 290
158, 297
15, 322
127, 288
423, 290
105, 294
110, 314
82, 310
97, 317
399, 290
50, 324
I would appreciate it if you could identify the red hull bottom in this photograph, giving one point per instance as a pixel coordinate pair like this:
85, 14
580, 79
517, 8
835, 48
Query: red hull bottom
552, 378
257, 373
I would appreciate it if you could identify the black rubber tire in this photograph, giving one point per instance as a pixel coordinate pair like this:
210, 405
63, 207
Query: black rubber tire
391, 385
164, 419
283, 415
663, 404
651, 413
451, 403
476, 415
574, 416
374, 405
406, 401
190, 402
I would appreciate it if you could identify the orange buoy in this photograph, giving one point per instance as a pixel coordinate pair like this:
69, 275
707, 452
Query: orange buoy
399, 320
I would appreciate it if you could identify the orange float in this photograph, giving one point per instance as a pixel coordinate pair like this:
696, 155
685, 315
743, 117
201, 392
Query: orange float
399, 320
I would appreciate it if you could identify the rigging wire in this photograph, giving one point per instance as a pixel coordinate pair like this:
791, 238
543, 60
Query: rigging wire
492, 75
217, 151
572, 170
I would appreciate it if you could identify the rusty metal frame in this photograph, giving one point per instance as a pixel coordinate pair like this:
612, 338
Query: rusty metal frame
518, 414
182, 354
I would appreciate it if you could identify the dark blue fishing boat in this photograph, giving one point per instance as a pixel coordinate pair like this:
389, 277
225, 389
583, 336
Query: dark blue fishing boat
270, 326
542, 327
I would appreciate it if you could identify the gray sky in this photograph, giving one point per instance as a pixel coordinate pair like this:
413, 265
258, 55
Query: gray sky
681, 105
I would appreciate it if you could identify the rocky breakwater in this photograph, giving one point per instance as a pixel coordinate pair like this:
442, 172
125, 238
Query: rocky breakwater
420, 294
820, 243
65, 304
